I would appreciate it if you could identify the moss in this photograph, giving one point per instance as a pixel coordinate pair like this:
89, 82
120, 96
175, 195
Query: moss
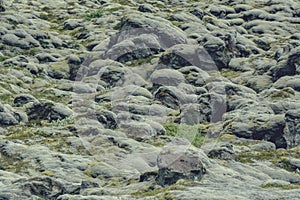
13, 163
281, 186
279, 158
96, 14
122, 2
118, 26
141, 61
114, 9
2, 58
47, 173
282, 94
158, 141
171, 129
162, 192
6, 98
228, 73
196, 134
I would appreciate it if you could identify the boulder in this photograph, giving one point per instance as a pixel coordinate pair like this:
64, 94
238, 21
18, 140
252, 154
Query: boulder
292, 128
141, 36
22, 99
48, 110
183, 55
167, 77
223, 152
138, 130
180, 160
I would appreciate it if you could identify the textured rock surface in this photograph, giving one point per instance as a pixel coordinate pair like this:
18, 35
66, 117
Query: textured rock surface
176, 99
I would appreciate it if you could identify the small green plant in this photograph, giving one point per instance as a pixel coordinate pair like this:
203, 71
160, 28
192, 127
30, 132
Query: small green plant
97, 14
2, 58
196, 134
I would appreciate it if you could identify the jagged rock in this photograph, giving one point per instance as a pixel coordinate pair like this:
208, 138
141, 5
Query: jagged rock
198, 13
262, 126
183, 55
172, 97
48, 110
107, 118
194, 75
10, 116
139, 38
22, 99
288, 65
13, 40
224, 152
147, 8
195, 113
291, 130
71, 24
288, 81
179, 160
7, 119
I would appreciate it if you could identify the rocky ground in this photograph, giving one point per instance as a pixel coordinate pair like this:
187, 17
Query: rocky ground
167, 99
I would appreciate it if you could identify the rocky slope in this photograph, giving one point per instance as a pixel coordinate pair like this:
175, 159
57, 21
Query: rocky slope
168, 99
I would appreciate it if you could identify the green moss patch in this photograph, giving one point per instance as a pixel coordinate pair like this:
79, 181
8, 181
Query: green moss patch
281, 186
196, 134
96, 14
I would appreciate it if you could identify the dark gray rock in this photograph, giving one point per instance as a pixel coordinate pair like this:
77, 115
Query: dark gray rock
184, 55
7, 119
141, 36
179, 161
292, 128
147, 8
172, 97
288, 64
71, 24
22, 99
46, 58
197, 12
107, 118
13, 40
48, 110
224, 152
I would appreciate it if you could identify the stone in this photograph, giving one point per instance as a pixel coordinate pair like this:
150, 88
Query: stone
107, 118
179, 160
224, 152
138, 130
22, 99
71, 24
183, 55
291, 130
147, 8
48, 110
13, 40
167, 77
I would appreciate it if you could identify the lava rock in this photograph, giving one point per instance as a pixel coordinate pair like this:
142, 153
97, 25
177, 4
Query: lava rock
22, 99
48, 110
179, 160
292, 128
